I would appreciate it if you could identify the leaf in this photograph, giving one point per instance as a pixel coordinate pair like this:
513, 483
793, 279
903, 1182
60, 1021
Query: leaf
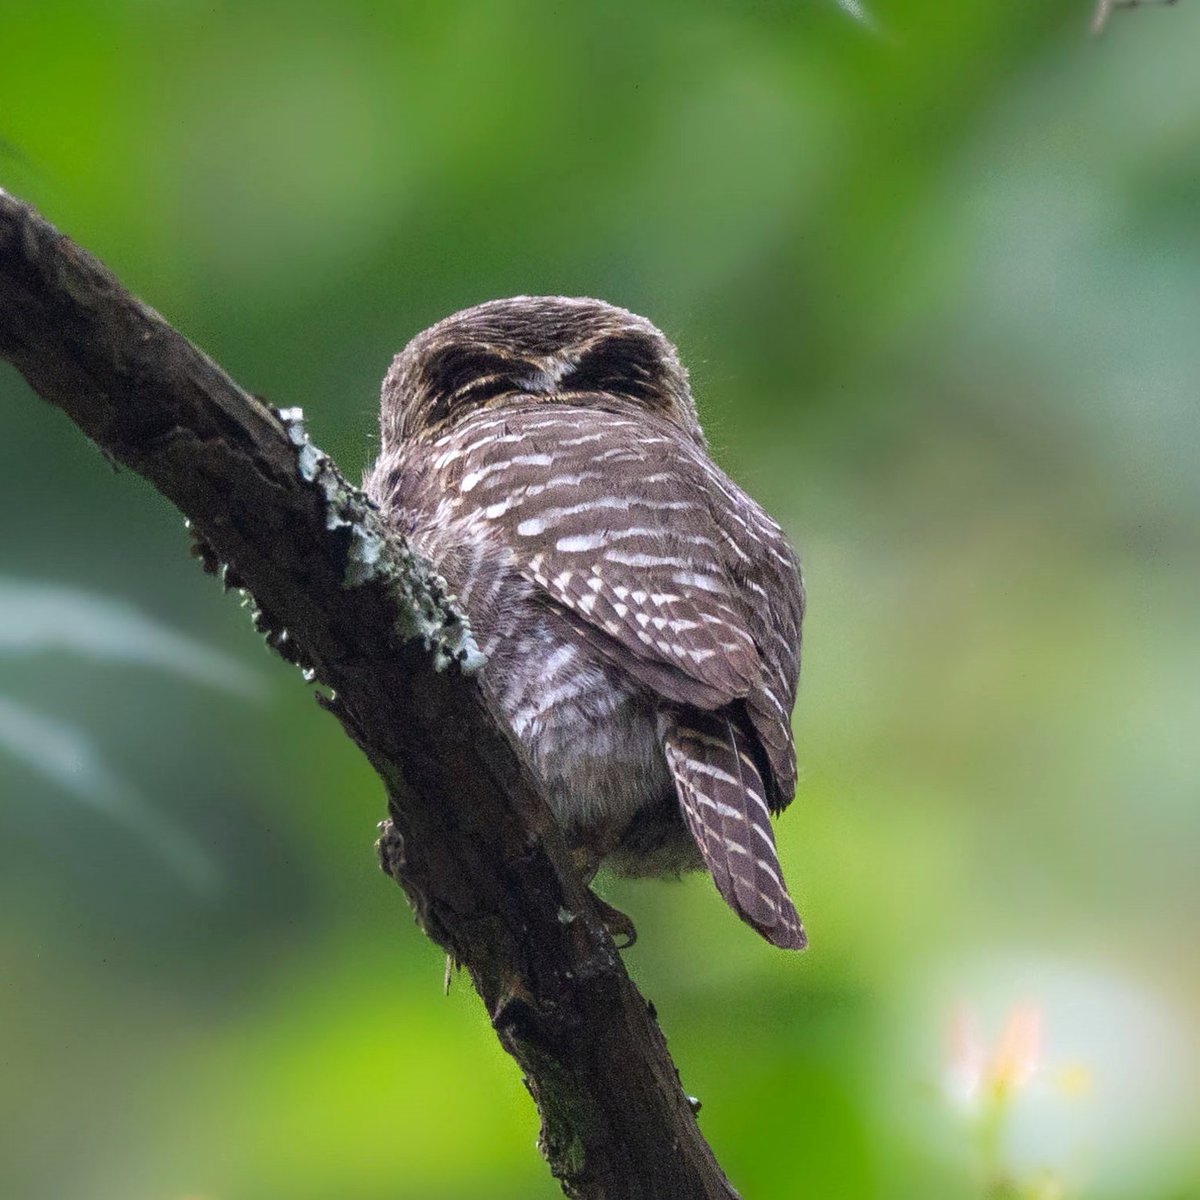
63, 755
39, 617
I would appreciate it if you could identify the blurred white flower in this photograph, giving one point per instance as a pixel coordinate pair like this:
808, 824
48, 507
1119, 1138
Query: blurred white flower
973, 1076
1059, 1076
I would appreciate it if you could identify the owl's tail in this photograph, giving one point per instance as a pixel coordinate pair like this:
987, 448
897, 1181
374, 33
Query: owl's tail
724, 805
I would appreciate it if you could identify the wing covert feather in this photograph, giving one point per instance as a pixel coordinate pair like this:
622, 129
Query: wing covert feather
656, 557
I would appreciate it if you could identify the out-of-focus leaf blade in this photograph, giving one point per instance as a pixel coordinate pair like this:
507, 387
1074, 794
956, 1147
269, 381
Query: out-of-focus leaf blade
38, 617
64, 756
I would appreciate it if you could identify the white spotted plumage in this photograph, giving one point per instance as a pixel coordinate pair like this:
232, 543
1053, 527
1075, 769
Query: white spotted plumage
641, 613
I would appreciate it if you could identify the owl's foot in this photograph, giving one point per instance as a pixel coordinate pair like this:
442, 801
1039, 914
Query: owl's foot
586, 860
616, 922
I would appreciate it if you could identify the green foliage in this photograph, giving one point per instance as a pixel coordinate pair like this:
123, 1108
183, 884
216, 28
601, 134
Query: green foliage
934, 269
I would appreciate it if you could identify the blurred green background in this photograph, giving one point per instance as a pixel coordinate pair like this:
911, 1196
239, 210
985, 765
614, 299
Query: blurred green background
937, 277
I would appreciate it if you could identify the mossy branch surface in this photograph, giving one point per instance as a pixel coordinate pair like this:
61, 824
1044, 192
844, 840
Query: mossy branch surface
467, 836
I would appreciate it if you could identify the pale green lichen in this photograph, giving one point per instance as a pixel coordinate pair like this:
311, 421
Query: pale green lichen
572, 1157
566, 1115
309, 458
426, 608
362, 558
428, 612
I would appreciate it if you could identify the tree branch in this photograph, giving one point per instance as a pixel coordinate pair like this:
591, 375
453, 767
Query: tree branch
468, 837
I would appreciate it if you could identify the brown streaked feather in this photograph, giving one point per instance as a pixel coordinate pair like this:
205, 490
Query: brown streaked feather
612, 517
723, 799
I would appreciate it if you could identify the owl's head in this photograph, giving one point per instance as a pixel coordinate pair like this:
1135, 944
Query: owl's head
549, 349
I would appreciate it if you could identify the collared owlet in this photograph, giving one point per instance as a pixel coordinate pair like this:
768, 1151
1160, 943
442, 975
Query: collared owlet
639, 612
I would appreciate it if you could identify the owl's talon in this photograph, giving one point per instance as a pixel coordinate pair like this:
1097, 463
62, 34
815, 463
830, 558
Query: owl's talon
616, 922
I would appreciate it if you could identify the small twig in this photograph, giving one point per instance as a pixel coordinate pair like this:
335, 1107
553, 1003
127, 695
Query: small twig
1105, 8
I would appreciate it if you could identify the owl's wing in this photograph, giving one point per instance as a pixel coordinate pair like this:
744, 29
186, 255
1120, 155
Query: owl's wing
658, 559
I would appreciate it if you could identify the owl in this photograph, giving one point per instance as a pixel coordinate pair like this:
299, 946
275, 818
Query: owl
640, 614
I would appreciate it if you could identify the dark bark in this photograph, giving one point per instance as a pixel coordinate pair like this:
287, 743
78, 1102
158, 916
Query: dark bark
468, 837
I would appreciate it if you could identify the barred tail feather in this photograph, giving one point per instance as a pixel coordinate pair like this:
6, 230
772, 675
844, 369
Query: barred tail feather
723, 799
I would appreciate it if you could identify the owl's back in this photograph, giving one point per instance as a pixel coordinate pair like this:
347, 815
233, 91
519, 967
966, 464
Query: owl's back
642, 621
